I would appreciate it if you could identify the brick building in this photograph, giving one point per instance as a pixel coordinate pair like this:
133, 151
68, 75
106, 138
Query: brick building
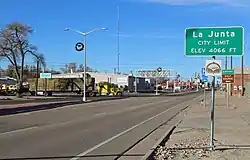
236, 86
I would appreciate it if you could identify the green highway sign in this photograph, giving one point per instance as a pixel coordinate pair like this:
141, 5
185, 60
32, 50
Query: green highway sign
228, 76
227, 72
214, 41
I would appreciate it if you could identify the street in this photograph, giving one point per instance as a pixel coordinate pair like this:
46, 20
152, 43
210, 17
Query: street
30, 104
105, 127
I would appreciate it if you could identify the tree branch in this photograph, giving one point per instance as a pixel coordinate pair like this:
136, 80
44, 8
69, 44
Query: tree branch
10, 59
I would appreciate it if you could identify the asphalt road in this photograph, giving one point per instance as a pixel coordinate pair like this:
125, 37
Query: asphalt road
105, 127
12, 100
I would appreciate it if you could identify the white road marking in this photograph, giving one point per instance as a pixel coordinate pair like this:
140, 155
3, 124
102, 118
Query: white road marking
27, 113
100, 114
76, 120
138, 106
19, 130
120, 134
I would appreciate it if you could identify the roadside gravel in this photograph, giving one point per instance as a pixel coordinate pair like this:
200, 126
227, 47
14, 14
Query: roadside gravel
190, 140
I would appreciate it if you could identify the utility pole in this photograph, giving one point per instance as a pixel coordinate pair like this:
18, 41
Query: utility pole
37, 76
231, 62
82, 47
227, 83
45, 82
196, 78
212, 114
226, 63
118, 40
231, 86
242, 75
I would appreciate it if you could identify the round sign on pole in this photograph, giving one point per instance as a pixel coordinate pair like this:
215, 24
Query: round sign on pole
213, 68
79, 46
159, 69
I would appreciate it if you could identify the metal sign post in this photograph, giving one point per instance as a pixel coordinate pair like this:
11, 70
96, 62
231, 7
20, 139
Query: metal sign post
45, 76
159, 69
228, 78
135, 84
227, 95
82, 47
197, 85
204, 96
212, 68
214, 41
156, 88
204, 80
212, 116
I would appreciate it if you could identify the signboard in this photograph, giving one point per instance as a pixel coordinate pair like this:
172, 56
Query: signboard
204, 78
213, 68
122, 80
214, 41
159, 69
45, 75
227, 71
228, 76
202, 71
153, 73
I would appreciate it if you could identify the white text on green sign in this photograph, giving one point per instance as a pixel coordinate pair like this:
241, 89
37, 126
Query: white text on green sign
227, 71
214, 41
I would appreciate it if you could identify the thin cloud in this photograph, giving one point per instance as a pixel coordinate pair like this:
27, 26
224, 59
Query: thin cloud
232, 3
146, 36
160, 37
123, 35
126, 35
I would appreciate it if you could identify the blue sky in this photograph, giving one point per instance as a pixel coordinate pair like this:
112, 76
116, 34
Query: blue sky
152, 31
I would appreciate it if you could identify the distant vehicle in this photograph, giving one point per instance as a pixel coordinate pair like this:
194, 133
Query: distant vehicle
106, 88
177, 88
74, 85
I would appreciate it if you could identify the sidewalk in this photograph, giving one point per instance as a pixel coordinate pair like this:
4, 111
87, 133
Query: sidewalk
232, 132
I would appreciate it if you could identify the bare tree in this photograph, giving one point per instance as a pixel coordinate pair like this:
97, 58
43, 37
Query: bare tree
14, 46
72, 66
81, 68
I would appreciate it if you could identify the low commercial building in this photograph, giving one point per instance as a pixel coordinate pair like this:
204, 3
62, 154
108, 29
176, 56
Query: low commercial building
126, 81
8, 81
237, 85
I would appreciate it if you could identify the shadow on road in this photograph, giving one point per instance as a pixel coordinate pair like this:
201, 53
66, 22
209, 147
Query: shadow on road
36, 107
57, 103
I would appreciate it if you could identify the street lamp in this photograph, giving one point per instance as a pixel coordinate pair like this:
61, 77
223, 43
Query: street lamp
85, 55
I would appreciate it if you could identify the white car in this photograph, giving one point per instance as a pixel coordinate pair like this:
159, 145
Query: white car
177, 89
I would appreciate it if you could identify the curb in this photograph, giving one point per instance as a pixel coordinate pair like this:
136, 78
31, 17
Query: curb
162, 140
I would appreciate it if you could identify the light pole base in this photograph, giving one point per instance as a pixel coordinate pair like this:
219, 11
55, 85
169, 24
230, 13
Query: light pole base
84, 99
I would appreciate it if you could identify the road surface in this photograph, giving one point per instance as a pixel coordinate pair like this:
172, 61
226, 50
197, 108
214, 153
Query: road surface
98, 128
